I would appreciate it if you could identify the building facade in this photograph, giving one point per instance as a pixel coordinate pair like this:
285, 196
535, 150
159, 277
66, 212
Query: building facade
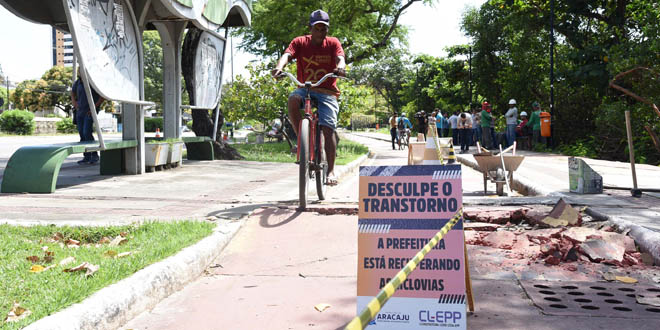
62, 49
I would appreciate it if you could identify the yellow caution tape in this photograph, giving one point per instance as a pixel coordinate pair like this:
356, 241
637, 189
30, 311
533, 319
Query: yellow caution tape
374, 306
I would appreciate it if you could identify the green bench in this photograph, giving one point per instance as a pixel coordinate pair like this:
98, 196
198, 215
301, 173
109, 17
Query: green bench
34, 169
199, 147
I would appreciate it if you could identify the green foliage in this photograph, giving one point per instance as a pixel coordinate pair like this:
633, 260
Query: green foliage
360, 121
153, 67
261, 98
365, 28
581, 148
347, 151
66, 126
17, 122
189, 124
150, 124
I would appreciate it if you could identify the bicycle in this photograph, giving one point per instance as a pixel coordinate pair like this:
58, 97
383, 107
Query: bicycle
310, 138
403, 137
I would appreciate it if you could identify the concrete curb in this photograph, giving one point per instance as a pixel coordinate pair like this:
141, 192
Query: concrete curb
646, 238
115, 305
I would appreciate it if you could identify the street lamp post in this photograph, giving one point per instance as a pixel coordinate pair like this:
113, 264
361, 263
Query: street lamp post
470, 78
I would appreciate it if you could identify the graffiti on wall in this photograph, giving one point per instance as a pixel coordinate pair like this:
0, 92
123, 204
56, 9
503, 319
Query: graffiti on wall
105, 33
208, 70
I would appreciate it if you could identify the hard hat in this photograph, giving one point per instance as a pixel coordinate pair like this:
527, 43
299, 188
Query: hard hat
512, 101
523, 113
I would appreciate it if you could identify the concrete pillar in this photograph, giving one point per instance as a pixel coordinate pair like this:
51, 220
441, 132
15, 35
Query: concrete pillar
133, 129
171, 36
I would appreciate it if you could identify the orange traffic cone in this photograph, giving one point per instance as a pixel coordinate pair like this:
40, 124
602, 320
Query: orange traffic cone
157, 132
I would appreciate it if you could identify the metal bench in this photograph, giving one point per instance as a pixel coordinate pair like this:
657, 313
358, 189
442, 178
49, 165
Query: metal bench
34, 169
199, 147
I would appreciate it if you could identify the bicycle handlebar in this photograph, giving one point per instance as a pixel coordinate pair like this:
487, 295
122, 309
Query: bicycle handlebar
311, 85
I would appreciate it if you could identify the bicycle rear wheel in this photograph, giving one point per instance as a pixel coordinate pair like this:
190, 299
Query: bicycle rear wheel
321, 171
303, 150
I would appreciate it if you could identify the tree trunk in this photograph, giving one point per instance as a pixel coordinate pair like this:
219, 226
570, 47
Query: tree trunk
202, 121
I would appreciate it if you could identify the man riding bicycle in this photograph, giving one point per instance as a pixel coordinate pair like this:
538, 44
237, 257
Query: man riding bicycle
317, 54
403, 126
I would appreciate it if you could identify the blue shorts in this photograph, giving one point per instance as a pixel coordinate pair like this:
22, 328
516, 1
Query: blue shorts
328, 106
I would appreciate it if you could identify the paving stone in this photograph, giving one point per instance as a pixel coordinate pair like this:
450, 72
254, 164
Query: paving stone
580, 234
500, 239
599, 250
481, 226
525, 247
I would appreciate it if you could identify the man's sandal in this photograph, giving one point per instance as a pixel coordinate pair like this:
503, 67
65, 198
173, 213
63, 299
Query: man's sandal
331, 180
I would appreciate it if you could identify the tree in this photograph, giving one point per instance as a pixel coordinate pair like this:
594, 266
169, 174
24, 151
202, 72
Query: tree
153, 67
365, 27
387, 77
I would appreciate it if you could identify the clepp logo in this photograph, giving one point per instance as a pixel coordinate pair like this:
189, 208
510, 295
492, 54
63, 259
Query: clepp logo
394, 317
439, 317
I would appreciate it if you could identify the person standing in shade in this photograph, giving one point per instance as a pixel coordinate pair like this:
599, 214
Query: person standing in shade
511, 122
535, 123
453, 124
422, 122
476, 126
486, 125
393, 132
439, 122
445, 121
465, 128
84, 120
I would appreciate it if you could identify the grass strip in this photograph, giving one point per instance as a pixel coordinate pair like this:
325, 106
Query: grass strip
47, 292
279, 152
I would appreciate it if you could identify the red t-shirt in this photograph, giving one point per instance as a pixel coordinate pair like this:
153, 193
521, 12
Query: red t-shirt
314, 62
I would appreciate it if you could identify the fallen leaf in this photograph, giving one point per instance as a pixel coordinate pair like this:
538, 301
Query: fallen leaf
49, 256
89, 268
72, 242
67, 261
110, 253
33, 259
36, 269
626, 279
123, 234
73, 246
17, 313
58, 236
117, 241
123, 254
322, 307
648, 301
104, 240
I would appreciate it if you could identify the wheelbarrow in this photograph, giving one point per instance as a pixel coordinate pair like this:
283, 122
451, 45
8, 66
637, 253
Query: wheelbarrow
498, 168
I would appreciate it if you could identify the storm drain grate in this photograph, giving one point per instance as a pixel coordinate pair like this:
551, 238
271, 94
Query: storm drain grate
592, 299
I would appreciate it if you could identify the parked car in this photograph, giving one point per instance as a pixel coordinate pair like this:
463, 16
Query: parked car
248, 127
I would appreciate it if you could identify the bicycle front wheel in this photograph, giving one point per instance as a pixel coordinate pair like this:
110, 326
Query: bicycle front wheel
303, 151
321, 171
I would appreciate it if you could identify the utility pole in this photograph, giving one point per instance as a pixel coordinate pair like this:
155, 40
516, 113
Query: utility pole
470, 77
7, 81
553, 119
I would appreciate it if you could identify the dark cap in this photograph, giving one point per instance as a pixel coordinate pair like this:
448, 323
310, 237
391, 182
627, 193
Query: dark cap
319, 16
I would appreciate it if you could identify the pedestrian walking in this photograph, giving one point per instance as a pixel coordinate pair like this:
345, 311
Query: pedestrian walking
486, 125
393, 131
511, 122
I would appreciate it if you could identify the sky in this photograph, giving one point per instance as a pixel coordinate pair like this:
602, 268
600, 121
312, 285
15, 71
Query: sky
25, 48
